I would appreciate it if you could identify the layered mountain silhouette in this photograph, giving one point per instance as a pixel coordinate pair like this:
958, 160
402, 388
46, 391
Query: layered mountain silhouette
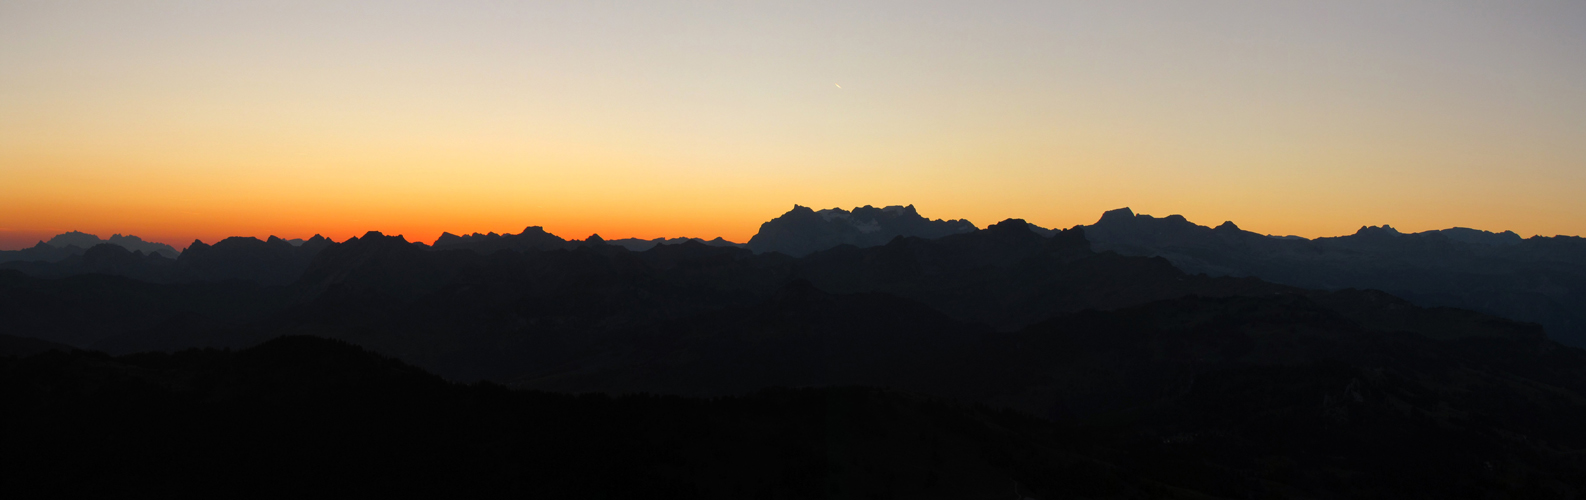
1538, 279
268, 262
1137, 357
535, 238
40, 252
129, 242
73, 243
802, 231
638, 245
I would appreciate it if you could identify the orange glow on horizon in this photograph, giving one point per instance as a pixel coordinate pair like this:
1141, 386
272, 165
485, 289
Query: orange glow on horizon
176, 121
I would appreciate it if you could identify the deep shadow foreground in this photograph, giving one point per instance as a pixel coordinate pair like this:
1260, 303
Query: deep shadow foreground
301, 416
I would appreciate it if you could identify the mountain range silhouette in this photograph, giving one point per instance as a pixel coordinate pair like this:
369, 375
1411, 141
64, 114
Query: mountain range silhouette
1538, 279
1135, 357
802, 231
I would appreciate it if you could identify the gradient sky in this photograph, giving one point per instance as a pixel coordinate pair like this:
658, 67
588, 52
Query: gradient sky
183, 120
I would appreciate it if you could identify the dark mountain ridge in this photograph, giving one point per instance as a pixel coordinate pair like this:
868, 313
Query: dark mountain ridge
1137, 379
638, 245
802, 231
511, 313
73, 243
1538, 279
269, 262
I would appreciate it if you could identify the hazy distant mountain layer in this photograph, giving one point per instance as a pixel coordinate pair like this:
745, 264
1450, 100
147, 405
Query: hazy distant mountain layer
1535, 279
41, 252
638, 245
75, 243
802, 231
508, 313
1538, 279
535, 237
129, 242
270, 262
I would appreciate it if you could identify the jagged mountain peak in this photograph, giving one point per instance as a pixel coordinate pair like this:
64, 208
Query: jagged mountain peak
1119, 214
1383, 230
84, 241
1011, 226
802, 231
532, 237
75, 238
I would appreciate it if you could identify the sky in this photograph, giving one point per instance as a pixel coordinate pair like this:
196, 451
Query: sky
178, 121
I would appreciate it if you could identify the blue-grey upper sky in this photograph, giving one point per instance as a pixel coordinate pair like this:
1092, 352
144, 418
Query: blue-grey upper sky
206, 119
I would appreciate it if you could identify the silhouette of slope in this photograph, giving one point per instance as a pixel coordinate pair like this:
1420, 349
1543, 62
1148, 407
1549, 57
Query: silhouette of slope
802, 231
1538, 279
